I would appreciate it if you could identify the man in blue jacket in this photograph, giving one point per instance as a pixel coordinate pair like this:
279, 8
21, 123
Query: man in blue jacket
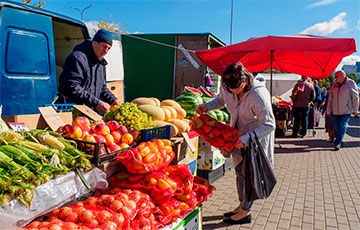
82, 80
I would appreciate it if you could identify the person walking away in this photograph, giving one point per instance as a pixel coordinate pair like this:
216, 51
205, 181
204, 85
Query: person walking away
83, 79
318, 98
329, 121
208, 83
343, 101
302, 95
248, 102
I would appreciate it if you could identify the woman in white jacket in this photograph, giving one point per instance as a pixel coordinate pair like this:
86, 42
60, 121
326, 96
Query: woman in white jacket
249, 104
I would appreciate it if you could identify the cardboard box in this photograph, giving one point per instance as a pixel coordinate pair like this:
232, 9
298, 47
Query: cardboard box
210, 160
192, 164
204, 146
116, 88
37, 121
183, 151
193, 221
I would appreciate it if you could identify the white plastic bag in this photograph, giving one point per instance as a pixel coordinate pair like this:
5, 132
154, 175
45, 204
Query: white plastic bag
49, 196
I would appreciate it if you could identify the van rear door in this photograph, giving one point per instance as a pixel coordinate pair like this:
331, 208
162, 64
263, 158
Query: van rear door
27, 63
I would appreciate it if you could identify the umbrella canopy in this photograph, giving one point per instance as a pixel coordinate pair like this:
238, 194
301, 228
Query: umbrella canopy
312, 56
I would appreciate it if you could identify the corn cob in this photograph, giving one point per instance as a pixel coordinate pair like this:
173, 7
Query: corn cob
11, 136
52, 142
40, 147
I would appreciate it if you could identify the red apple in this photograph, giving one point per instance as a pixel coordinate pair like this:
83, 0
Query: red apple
127, 138
123, 130
75, 132
109, 139
90, 138
135, 133
99, 139
83, 122
66, 129
113, 147
98, 122
60, 129
113, 125
123, 145
85, 133
101, 129
117, 136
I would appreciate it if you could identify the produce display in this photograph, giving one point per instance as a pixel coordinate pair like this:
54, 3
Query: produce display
114, 135
148, 156
194, 97
166, 112
31, 158
129, 115
217, 134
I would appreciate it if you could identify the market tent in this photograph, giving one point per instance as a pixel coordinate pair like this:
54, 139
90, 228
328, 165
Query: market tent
312, 56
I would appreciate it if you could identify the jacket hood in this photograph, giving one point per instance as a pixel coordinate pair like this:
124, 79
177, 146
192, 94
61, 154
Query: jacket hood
85, 47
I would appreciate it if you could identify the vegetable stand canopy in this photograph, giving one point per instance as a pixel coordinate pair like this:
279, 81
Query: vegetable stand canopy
312, 56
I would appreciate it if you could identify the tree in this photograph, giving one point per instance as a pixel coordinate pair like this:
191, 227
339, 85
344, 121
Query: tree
40, 4
111, 25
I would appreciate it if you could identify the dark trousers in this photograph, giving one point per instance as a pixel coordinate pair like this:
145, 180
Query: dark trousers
300, 117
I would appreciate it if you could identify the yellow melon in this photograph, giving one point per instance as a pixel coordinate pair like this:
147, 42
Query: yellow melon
169, 102
154, 112
173, 128
143, 101
172, 111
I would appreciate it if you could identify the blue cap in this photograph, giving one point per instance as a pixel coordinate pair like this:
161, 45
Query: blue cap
103, 36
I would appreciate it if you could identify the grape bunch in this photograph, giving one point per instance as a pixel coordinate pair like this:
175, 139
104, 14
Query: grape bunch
129, 116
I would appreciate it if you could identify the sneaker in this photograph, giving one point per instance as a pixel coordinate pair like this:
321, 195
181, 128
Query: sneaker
337, 147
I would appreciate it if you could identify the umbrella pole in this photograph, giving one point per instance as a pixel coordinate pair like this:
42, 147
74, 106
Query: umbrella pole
271, 71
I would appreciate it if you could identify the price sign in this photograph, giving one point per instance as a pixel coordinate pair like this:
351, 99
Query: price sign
18, 126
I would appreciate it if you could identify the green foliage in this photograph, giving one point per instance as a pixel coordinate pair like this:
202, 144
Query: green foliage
40, 4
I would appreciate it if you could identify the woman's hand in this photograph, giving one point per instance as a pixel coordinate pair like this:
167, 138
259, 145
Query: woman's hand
239, 144
201, 109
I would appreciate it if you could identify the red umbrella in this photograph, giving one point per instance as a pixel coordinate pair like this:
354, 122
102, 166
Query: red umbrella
312, 56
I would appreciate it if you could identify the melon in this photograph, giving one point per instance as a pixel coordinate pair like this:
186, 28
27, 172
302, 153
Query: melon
173, 129
193, 90
154, 112
205, 92
169, 102
157, 101
167, 113
180, 113
143, 101
171, 110
181, 125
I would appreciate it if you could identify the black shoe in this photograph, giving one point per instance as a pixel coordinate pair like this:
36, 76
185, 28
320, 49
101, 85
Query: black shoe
245, 220
331, 140
337, 147
302, 136
229, 214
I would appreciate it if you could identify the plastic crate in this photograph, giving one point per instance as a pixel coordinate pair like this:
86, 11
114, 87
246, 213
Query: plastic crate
158, 133
211, 175
61, 107
94, 149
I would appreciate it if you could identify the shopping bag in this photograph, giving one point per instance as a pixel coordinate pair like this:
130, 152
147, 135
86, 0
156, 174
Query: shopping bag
260, 177
317, 115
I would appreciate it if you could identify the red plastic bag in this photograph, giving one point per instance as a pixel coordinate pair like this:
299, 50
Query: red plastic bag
217, 134
148, 156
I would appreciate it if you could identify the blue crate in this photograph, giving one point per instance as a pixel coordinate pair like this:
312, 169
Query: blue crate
61, 107
158, 133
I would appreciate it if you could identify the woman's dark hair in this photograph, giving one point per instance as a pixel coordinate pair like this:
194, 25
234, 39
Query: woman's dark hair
234, 75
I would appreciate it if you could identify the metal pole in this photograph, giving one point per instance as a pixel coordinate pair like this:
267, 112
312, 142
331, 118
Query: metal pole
82, 11
231, 21
271, 71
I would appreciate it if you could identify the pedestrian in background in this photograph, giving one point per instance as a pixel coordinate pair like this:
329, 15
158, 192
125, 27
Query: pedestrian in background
248, 102
329, 120
318, 98
302, 95
343, 101
208, 82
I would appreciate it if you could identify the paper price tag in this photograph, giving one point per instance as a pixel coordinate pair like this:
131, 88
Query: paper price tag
88, 112
18, 126
188, 142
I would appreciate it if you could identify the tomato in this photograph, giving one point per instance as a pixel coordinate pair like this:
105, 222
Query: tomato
80, 203
135, 196
103, 216
72, 218
70, 226
122, 196
130, 204
55, 227
109, 225
56, 221
118, 218
85, 216
33, 224
64, 213
91, 200
93, 222
106, 200
116, 205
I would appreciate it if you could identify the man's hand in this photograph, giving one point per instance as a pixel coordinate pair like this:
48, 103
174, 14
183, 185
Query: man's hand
117, 102
201, 109
102, 107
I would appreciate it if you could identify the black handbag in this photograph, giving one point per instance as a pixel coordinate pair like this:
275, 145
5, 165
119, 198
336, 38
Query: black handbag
260, 178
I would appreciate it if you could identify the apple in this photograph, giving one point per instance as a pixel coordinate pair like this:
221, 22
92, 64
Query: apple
123, 145
116, 135
90, 138
99, 139
113, 125
113, 147
123, 130
109, 139
127, 138
66, 129
60, 129
83, 122
135, 133
75, 132
101, 129
85, 133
